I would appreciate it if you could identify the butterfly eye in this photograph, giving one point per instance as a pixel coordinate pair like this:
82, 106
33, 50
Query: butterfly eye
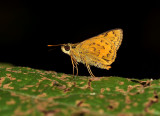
67, 48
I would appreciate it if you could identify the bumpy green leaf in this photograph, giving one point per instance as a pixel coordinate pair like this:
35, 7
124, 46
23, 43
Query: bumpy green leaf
27, 91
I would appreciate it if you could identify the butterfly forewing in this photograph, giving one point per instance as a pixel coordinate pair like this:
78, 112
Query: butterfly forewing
115, 36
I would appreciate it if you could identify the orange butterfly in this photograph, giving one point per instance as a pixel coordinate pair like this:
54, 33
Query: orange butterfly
99, 51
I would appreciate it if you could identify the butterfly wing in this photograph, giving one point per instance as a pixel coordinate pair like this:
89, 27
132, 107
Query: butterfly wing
97, 52
100, 50
115, 36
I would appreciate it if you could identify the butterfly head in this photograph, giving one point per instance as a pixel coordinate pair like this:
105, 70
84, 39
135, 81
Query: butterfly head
66, 48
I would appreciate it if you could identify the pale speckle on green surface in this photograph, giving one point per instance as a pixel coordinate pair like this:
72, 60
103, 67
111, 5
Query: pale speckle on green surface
27, 91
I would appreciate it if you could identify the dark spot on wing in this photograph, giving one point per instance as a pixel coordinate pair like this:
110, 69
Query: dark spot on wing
103, 47
94, 49
106, 43
105, 34
102, 40
92, 43
103, 57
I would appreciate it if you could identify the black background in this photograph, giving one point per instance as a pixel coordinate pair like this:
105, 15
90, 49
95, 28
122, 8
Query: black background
26, 27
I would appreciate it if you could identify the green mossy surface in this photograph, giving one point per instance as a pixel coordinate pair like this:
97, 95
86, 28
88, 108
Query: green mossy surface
31, 92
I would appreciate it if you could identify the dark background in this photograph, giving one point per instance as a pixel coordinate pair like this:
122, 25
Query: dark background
26, 27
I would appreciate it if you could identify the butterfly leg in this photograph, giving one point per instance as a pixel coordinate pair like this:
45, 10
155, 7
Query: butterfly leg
74, 63
89, 70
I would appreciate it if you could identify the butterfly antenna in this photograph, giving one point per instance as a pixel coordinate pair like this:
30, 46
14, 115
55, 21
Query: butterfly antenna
53, 48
